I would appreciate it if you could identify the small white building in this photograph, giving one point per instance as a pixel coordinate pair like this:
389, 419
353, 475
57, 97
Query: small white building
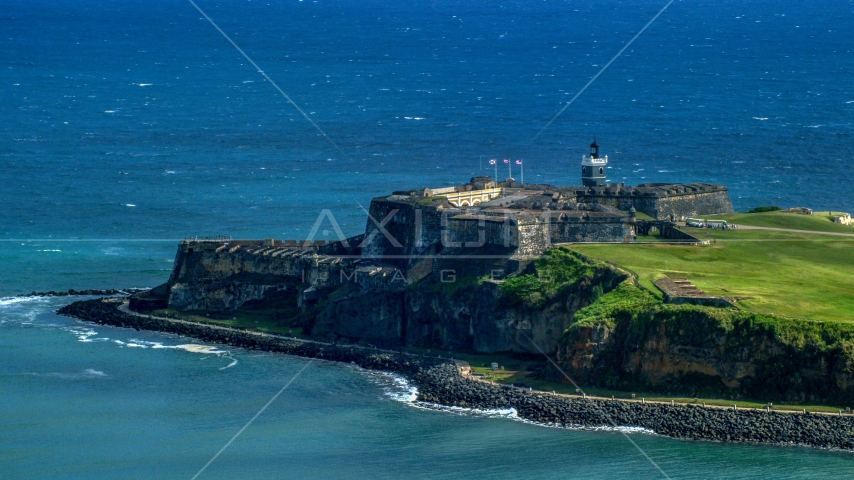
842, 218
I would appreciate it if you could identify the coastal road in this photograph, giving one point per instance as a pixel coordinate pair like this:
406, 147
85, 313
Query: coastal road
775, 229
748, 227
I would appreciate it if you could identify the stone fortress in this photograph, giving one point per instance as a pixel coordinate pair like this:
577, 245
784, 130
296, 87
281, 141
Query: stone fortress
479, 228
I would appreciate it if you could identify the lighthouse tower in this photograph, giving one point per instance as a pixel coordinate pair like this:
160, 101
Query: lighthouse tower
593, 167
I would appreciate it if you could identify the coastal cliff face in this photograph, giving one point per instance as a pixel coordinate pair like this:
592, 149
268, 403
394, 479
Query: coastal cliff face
694, 350
603, 329
472, 317
470, 313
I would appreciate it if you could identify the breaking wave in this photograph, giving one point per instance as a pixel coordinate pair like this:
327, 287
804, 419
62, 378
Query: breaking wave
13, 300
398, 388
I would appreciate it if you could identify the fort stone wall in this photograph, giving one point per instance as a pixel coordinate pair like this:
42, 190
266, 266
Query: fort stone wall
661, 201
691, 205
592, 228
222, 275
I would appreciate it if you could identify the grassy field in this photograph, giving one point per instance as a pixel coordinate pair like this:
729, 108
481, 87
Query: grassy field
797, 275
818, 221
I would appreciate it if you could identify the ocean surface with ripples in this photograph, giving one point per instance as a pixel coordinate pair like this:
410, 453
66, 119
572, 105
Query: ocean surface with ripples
128, 126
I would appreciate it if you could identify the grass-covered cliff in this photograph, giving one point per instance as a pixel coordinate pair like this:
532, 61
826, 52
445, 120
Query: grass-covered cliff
628, 339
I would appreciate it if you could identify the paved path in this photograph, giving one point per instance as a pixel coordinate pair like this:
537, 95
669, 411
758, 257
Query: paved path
748, 227
124, 308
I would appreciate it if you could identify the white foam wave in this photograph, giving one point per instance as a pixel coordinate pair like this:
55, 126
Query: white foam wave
203, 349
509, 413
760, 118
88, 373
189, 347
13, 300
85, 335
233, 363
399, 389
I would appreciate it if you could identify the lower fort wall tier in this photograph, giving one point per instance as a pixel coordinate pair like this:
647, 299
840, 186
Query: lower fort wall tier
222, 275
662, 201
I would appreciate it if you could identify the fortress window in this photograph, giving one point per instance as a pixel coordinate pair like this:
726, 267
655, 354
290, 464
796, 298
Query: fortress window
601, 170
584, 170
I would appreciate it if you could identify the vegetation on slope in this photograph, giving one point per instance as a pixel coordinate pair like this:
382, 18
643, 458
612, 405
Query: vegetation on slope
556, 274
789, 274
793, 360
770, 208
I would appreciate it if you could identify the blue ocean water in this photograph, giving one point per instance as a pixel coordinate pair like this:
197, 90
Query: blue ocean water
83, 401
130, 125
139, 121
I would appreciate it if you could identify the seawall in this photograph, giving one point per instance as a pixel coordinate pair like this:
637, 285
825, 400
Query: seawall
440, 382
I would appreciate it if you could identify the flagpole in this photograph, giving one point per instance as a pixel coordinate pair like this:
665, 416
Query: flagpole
522, 168
509, 169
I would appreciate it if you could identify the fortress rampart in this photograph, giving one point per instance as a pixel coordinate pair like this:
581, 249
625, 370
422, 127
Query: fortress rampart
222, 275
416, 234
660, 200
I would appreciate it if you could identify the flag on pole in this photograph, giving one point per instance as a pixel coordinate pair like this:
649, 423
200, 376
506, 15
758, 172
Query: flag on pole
492, 162
518, 162
506, 160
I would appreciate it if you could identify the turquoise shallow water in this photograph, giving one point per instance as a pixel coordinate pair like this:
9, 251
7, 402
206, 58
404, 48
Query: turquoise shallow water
128, 126
82, 401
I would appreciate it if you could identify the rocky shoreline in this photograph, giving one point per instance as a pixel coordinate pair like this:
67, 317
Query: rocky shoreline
89, 292
439, 381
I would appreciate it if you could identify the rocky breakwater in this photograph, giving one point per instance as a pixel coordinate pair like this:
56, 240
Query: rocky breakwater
444, 385
106, 312
438, 381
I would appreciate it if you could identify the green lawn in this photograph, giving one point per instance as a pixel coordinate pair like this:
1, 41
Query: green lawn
818, 221
790, 274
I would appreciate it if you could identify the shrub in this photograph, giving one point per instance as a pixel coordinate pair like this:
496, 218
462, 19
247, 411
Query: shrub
770, 208
558, 269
